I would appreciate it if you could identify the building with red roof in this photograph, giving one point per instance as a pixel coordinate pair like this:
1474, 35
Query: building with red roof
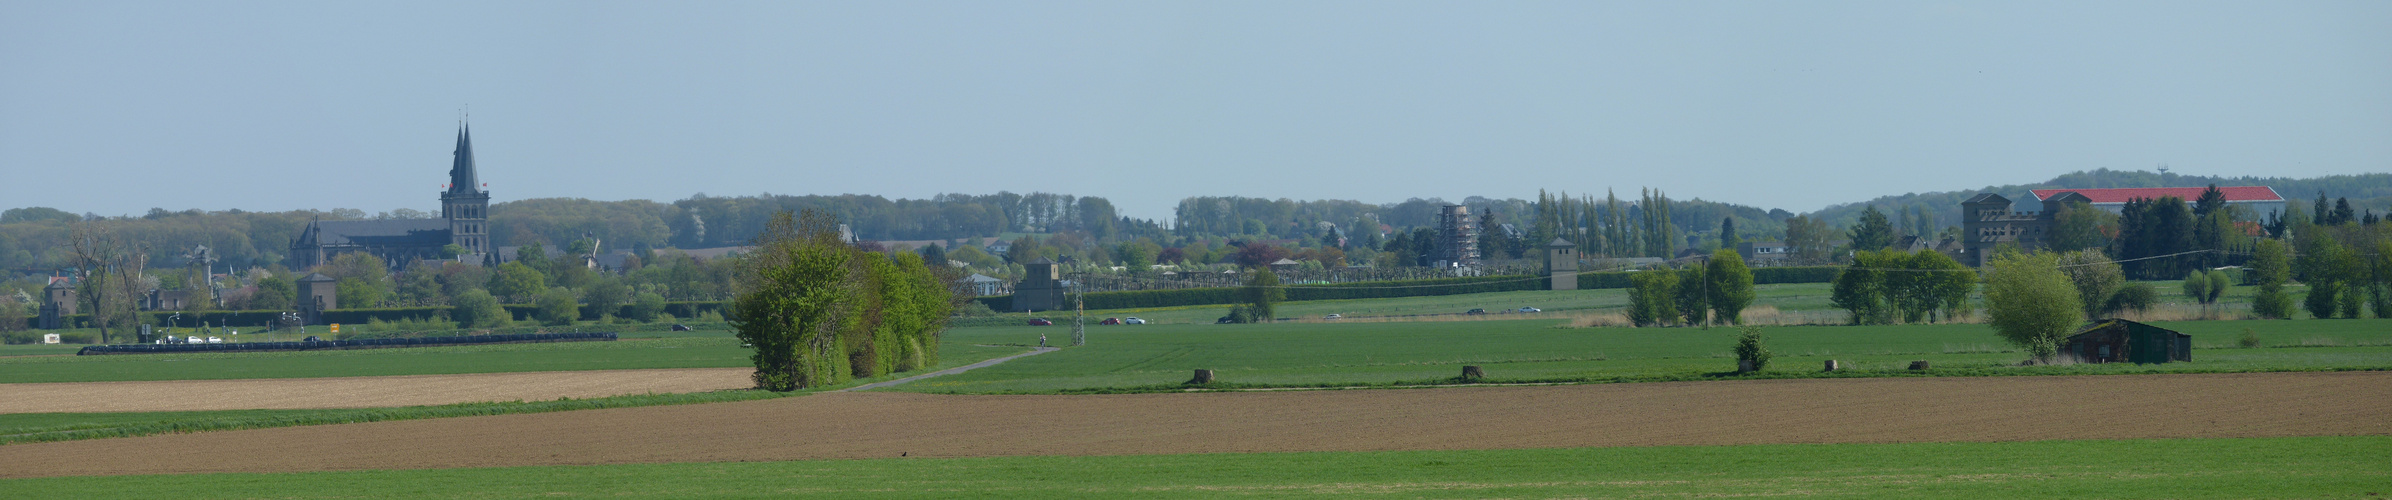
2259, 200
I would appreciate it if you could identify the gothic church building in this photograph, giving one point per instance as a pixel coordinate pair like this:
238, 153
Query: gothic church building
464, 222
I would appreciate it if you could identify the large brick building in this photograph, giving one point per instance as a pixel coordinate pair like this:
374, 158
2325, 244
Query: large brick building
464, 222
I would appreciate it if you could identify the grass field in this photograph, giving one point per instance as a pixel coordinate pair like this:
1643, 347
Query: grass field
685, 352
1155, 356
2200, 468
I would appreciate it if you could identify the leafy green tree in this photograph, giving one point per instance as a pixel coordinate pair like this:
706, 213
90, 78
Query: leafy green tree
557, 307
1873, 232
934, 254
1694, 296
451, 251
1262, 294
2078, 227
1861, 289
1731, 286
2325, 260
797, 281
517, 282
606, 295
477, 309
2031, 303
2270, 269
2196, 287
357, 293
1652, 301
646, 306
2094, 276
1728, 240
2219, 282
275, 293
534, 256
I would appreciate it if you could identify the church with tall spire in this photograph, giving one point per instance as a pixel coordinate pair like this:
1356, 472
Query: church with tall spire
463, 223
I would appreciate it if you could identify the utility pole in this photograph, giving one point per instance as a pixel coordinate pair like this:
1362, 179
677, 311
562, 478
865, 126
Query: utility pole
1079, 317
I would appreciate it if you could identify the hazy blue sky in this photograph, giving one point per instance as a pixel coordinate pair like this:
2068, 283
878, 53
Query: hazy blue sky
115, 107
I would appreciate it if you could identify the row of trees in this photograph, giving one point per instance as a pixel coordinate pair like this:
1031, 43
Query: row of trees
820, 311
1715, 293
1885, 286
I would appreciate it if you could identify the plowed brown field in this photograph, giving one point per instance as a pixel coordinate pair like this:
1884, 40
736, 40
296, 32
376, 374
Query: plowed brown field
358, 392
873, 425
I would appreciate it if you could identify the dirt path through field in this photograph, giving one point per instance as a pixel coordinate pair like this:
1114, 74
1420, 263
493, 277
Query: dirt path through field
359, 392
879, 425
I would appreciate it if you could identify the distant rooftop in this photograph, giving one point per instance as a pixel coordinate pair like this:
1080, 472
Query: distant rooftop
2120, 195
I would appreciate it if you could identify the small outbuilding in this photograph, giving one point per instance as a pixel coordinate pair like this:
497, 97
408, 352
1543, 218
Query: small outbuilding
2118, 340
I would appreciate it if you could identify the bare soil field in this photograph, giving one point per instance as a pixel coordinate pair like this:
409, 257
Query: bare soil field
358, 392
877, 425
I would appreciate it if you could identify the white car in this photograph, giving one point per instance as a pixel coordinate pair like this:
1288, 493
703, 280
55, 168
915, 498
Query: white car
195, 340
215, 340
1133, 320
1333, 316
1531, 310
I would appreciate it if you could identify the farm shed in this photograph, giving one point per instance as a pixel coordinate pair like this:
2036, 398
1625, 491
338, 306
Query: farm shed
2114, 340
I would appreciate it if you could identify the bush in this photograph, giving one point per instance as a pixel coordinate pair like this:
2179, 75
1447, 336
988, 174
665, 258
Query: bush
2135, 296
476, 308
1749, 348
646, 307
2249, 339
557, 307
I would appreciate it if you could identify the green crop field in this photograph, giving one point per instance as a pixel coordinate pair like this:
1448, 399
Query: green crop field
1314, 354
2317, 467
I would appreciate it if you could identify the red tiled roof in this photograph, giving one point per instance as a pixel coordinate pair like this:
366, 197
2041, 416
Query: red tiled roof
2120, 195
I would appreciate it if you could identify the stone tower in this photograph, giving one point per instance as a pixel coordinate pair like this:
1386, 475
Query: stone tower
1561, 262
465, 204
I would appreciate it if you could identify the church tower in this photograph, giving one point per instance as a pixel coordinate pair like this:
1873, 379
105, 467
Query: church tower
465, 204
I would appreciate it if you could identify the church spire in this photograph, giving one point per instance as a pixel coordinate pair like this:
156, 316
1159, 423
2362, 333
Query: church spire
461, 176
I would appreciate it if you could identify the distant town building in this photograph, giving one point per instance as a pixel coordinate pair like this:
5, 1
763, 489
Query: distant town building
1041, 287
1457, 237
464, 212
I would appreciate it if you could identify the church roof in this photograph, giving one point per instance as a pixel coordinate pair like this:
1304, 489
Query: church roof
394, 232
461, 175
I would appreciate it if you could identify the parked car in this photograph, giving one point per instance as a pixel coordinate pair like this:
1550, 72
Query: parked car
1476, 311
1133, 320
1223, 321
215, 340
1041, 322
1531, 310
195, 340
680, 328
1110, 321
312, 338
1333, 316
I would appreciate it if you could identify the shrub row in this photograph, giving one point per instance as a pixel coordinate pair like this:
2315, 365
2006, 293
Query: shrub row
1760, 276
343, 344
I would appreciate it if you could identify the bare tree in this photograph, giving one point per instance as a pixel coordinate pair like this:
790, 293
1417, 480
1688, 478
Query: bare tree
110, 270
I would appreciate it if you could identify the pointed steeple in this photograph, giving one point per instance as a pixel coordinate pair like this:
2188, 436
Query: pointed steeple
461, 176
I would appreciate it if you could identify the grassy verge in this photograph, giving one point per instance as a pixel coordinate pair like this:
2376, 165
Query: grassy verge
2316, 467
685, 352
41, 427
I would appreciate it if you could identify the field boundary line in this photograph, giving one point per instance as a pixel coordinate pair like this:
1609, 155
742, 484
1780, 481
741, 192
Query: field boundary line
950, 371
